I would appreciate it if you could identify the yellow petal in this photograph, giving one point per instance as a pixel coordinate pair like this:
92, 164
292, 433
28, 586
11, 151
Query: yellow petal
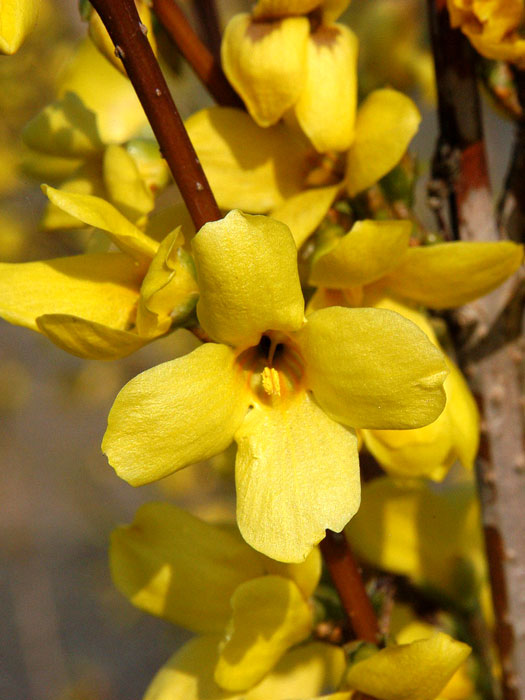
66, 127
417, 671
125, 187
364, 255
326, 106
168, 562
269, 616
306, 574
88, 339
372, 368
99, 287
333, 8
266, 63
39, 165
303, 212
386, 122
290, 486
248, 278
17, 19
430, 451
396, 530
95, 211
86, 180
175, 414
105, 91
303, 672
248, 167
451, 274
169, 291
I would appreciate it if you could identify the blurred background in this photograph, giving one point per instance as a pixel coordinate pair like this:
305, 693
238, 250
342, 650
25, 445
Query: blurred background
66, 633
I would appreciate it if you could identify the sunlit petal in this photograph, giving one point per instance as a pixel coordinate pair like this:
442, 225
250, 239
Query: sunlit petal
303, 212
248, 279
266, 63
386, 122
372, 368
282, 451
175, 414
269, 616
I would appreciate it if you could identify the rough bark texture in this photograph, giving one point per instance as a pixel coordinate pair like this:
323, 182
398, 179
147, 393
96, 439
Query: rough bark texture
490, 341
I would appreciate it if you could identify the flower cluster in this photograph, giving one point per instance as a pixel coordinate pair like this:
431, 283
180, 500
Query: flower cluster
312, 347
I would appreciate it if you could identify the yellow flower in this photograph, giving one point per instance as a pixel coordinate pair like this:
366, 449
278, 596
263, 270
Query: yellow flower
74, 141
102, 305
492, 26
276, 170
373, 265
249, 610
283, 64
276, 384
17, 19
396, 530
419, 670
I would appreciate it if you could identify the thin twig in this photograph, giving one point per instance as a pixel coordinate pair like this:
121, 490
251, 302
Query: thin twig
494, 363
349, 584
209, 21
128, 34
205, 65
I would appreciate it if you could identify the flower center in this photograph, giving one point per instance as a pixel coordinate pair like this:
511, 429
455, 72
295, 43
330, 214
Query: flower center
273, 369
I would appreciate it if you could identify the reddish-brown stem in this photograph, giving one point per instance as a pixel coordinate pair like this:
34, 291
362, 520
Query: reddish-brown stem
349, 584
128, 34
206, 66
492, 357
209, 21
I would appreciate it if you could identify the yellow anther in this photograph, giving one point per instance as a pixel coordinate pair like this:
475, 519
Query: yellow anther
270, 381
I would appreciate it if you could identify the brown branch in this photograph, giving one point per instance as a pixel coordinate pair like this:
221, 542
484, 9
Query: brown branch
122, 21
512, 204
493, 363
209, 21
205, 65
349, 584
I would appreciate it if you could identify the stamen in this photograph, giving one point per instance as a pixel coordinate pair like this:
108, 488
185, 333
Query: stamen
271, 382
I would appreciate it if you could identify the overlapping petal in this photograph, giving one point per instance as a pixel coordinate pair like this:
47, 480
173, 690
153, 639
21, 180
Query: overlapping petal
17, 19
326, 106
451, 274
175, 414
97, 212
396, 530
363, 255
283, 451
305, 671
303, 212
385, 124
124, 185
248, 279
372, 368
247, 166
269, 617
266, 63
89, 339
416, 671
168, 563
104, 91
98, 287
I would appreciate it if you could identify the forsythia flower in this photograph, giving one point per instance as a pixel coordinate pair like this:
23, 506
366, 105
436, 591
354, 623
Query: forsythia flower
76, 141
276, 170
492, 26
102, 305
17, 19
396, 527
281, 61
279, 385
169, 563
373, 265
250, 609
